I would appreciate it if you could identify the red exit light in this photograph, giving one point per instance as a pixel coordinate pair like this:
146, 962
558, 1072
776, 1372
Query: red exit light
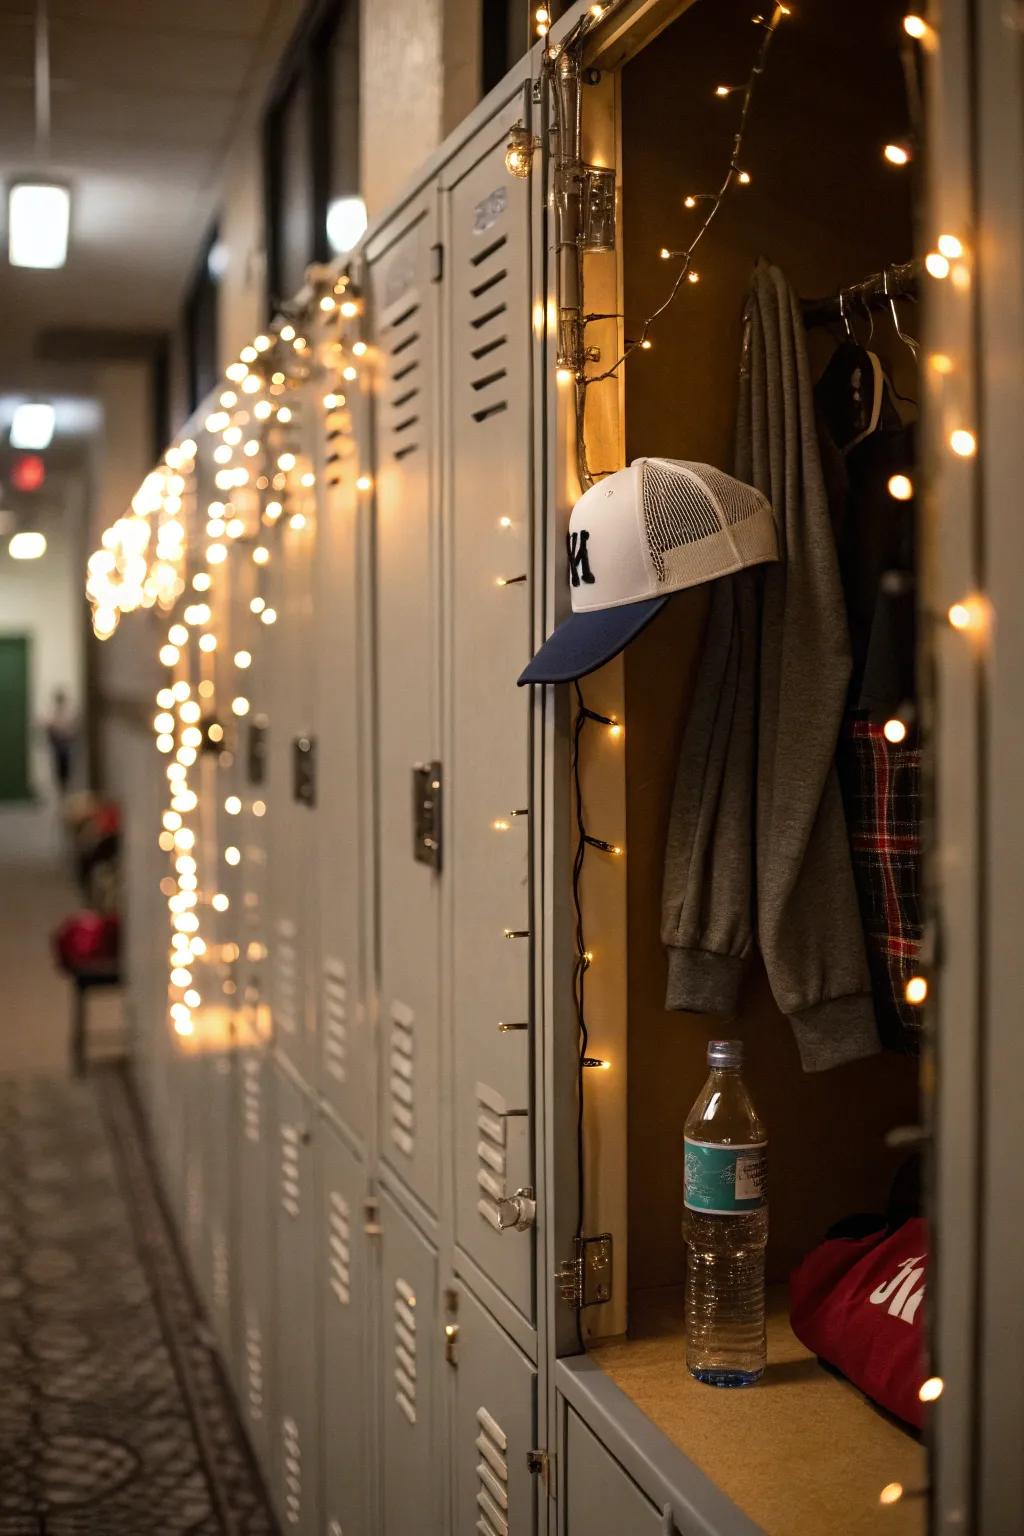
28, 473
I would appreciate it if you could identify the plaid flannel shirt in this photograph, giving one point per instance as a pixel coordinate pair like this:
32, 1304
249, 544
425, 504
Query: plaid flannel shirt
881, 783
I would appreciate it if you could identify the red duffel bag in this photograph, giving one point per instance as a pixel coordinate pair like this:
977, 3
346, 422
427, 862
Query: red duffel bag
857, 1303
86, 939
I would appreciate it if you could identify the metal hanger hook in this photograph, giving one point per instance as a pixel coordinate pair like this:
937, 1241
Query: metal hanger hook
907, 340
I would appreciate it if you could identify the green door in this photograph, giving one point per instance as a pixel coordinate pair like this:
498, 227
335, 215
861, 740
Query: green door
14, 717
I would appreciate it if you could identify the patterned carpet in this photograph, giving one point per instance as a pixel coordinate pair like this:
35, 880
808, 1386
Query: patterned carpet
114, 1416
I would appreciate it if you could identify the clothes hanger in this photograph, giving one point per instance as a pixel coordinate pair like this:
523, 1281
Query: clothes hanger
851, 389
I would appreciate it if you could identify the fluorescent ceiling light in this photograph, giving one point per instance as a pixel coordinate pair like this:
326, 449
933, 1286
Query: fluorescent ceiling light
38, 219
346, 223
32, 425
27, 546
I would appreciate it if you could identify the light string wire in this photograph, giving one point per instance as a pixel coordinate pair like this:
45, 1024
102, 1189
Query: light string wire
580, 969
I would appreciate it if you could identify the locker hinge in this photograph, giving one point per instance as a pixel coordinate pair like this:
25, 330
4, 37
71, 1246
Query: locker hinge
542, 1464
585, 1280
371, 1216
436, 263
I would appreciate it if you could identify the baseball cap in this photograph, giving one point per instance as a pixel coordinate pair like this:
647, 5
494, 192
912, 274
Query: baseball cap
636, 537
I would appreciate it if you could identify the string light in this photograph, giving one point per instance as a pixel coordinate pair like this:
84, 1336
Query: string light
960, 616
897, 154
931, 1390
894, 730
891, 1493
916, 990
963, 443
915, 26
936, 265
950, 246
900, 487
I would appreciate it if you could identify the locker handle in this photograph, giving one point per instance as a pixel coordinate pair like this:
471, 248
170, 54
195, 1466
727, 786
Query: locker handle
517, 1212
505, 1029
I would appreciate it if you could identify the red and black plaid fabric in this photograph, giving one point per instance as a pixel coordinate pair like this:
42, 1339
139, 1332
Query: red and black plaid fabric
881, 783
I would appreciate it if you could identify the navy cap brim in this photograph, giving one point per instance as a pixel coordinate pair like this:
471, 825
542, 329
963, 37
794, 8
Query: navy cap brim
585, 641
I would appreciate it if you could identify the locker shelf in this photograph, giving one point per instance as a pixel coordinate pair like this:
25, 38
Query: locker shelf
803, 1450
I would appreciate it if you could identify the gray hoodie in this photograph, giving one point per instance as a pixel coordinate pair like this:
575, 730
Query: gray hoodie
758, 850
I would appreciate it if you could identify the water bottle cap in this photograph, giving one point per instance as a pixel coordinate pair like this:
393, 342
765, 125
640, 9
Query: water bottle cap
725, 1053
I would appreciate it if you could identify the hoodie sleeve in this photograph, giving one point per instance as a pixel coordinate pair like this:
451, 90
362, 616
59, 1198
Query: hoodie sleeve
707, 908
808, 919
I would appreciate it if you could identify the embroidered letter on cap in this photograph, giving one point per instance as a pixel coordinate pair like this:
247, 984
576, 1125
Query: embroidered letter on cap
579, 560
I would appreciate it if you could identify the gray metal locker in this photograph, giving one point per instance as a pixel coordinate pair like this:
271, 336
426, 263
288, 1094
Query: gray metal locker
297, 1345
412, 1468
407, 667
488, 306
286, 655
599, 1495
256, 1192
348, 1440
495, 1427
346, 1075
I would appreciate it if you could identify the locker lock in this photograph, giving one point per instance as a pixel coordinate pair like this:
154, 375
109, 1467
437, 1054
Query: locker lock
517, 1212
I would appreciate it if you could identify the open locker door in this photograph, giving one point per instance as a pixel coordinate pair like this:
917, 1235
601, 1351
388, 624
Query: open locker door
495, 1428
407, 622
489, 480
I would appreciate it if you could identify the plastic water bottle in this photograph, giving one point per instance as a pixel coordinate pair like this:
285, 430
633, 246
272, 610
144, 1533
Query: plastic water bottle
725, 1224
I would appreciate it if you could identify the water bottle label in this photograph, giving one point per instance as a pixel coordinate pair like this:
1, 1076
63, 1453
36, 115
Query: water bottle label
725, 1181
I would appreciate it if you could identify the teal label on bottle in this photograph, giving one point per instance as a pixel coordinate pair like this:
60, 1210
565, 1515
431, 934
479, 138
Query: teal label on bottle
725, 1181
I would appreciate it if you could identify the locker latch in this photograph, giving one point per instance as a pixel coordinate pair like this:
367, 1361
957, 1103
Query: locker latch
426, 814
256, 757
518, 1212
585, 1280
304, 770
371, 1216
542, 1464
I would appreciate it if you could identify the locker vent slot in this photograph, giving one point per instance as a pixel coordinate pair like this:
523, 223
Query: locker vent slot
292, 1452
485, 347
401, 1079
335, 1020
488, 250
254, 1367
489, 283
490, 1153
401, 342
220, 1269
490, 410
405, 1349
252, 1116
479, 321
339, 1239
291, 1187
489, 378
285, 989
492, 1476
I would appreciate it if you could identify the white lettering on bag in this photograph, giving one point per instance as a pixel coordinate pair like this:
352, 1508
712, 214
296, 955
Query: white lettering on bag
905, 1300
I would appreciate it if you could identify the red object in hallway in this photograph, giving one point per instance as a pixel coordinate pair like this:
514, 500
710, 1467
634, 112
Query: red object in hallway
86, 939
856, 1302
28, 473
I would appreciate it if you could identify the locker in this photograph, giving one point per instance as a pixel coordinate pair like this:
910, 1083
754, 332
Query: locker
286, 654
345, 1300
489, 616
256, 1192
407, 587
222, 1200
345, 1075
411, 1425
297, 1361
599, 1494
495, 1428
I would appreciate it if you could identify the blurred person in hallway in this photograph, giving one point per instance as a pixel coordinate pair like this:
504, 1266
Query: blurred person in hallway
61, 732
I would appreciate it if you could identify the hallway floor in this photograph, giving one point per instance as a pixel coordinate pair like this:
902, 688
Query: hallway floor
114, 1416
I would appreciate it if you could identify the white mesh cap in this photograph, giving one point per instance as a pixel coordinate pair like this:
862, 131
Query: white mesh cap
636, 537
662, 525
